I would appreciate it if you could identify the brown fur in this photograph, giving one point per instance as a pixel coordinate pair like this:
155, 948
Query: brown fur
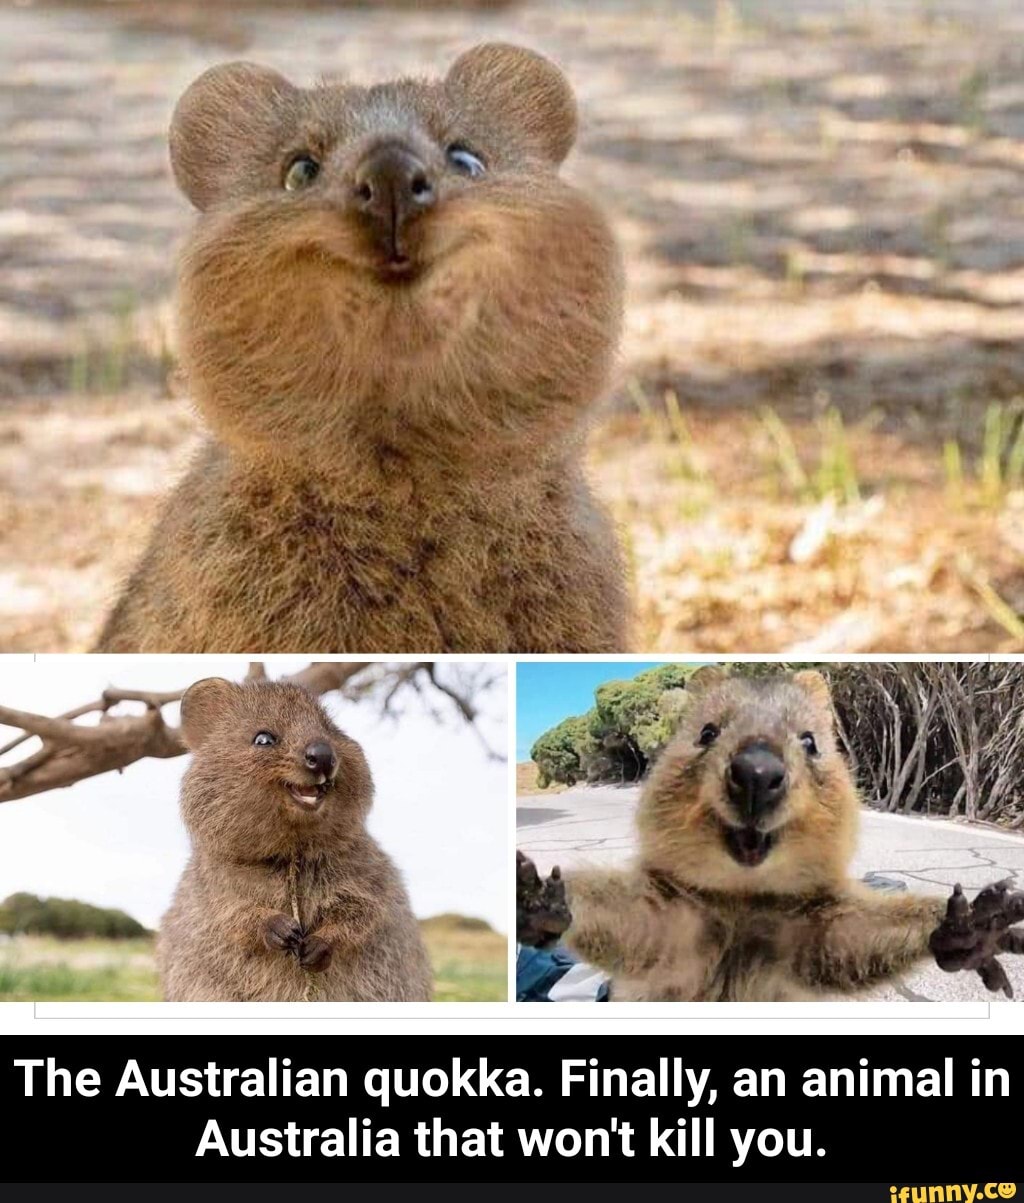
394, 465
255, 852
690, 923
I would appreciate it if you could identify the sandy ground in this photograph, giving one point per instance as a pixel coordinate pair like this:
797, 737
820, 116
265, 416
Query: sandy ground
593, 825
822, 215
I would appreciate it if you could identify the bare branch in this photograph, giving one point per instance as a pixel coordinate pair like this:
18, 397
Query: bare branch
154, 701
79, 712
938, 738
462, 703
58, 729
63, 760
326, 676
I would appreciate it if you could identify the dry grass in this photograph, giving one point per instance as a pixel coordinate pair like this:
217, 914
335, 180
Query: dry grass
526, 778
730, 553
526, 781
43, 969
469, 958
820, 207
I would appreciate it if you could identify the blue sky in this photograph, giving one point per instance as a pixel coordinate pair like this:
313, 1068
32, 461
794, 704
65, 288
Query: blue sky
548, 692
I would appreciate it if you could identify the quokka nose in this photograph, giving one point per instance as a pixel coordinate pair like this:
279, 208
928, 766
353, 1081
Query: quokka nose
756, 780
391, 186
320, 758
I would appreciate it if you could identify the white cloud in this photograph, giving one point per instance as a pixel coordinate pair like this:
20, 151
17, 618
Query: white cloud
117, 840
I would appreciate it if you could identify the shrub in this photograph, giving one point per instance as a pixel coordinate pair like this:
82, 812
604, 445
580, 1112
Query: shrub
66, 918
615, 741
557, 752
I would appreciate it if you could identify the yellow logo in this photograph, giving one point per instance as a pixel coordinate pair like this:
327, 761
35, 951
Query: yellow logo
953, 1192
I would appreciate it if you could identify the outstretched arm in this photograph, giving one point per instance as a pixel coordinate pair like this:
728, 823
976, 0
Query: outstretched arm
865, 936
862, 937
615, 920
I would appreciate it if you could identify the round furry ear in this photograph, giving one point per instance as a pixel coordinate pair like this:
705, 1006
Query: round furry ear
526, 89
816, 684
200, 707
705, 678
222, 127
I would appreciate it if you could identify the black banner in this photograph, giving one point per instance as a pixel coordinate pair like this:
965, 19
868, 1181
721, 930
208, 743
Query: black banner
917, 1113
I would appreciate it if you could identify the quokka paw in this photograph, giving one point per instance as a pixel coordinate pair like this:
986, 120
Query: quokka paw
315, 954
542, 911
972, 933
281, 933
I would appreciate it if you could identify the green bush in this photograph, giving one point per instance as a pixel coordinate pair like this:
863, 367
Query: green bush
557, 752
615, 741
66, 918
643, 711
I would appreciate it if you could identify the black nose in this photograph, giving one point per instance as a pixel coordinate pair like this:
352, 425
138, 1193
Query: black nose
320, 758
756, 780
392, 186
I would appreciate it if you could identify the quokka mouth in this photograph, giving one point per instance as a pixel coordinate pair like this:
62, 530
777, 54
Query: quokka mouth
308, 797
399, 266
748, 846
400, 270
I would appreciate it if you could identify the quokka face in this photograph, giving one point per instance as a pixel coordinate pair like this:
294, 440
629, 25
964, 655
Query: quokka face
406, 250
752, 794
270, 772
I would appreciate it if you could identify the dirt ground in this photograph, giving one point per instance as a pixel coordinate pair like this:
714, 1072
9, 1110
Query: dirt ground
814, 442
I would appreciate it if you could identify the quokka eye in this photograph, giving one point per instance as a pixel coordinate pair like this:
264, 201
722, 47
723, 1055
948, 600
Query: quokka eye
465, 161
301, 173
810, 745
265, 739
708, 734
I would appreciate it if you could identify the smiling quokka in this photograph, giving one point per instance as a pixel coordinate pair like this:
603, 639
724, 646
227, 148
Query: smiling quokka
395, 318
286, 896
741, 888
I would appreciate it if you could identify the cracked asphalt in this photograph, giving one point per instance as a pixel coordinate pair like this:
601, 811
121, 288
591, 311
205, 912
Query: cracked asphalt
594, 826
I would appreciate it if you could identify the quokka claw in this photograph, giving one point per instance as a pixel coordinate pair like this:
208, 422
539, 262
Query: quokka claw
315, 954
542, 911
971, 934
282, 933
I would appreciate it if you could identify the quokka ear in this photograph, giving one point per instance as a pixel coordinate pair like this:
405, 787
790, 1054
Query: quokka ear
816, 684
706, 678
201, 706
224, 126
528, 91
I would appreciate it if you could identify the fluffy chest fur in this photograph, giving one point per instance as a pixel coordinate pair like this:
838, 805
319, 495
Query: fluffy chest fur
211, 948
276, 565
708, 949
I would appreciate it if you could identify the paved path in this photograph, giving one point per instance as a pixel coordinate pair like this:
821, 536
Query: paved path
594, 826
